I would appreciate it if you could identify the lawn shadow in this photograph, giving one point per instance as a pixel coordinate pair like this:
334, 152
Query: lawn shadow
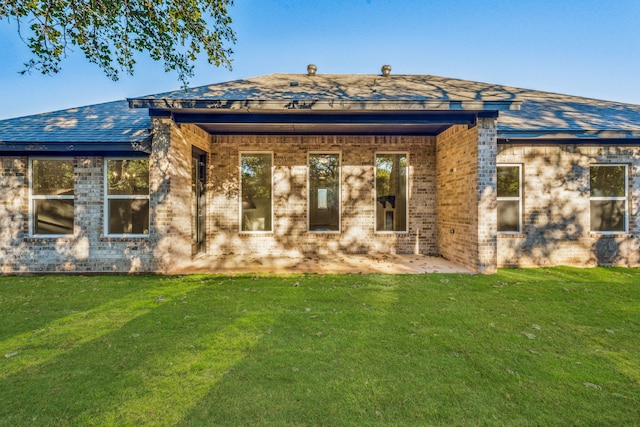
35, 302
313, 365
148, 368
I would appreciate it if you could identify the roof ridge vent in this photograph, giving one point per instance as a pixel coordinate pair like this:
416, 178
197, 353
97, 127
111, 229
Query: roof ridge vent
311, 70
386, 70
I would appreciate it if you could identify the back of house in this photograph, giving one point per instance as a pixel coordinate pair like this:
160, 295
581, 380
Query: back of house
484, 175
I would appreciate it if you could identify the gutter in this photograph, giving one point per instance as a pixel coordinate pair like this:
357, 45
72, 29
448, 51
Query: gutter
250, 106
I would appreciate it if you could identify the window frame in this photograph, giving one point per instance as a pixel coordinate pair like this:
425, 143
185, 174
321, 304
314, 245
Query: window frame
519, 198
107, 197
322, 152
240, 153
375, 193
33, 197
625, 198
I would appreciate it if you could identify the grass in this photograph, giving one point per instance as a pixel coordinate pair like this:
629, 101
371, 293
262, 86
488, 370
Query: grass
523, 347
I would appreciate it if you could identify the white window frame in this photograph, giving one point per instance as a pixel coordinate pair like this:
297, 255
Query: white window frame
240, 194
375, 193
625, 197
519, 198
33, 197
339, 230
108, 197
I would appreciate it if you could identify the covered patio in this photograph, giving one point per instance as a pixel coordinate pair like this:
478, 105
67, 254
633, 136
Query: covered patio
321, 264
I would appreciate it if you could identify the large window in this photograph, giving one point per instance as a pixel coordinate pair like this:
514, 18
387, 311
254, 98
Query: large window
509, 199
256, 191
324, 192
127, 196
608, 186
52, 196
391, 192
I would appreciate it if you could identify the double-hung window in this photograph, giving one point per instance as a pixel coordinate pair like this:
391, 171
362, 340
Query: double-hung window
52, 197
608, 198
391, 192
127, 197
323, 207
256, 201
509, 198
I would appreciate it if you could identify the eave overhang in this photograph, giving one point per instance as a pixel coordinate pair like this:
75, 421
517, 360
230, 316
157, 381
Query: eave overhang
342, 117
354, 122
322, 105
569, 136
139, 148
328, 123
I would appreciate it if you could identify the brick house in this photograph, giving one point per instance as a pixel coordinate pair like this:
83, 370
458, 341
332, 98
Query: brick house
483, 175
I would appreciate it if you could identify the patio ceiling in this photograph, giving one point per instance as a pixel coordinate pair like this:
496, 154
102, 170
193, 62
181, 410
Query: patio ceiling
313, 122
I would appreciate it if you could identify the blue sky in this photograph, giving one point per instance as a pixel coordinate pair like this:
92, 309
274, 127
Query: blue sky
580, 47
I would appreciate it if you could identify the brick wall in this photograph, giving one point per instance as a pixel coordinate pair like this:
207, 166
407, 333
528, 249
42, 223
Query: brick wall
170, 168
486, 219
451, 187
88, 250
556, 213
465, 162
290, 196
13, 212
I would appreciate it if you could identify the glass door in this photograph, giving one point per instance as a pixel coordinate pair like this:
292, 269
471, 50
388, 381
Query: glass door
198, 203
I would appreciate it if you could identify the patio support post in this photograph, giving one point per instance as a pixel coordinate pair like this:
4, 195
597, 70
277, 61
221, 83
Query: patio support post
170, 195
486, 219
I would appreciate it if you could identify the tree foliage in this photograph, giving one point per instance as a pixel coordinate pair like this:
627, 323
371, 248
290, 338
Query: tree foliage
256, 176
52, 177
128, 176
111, 33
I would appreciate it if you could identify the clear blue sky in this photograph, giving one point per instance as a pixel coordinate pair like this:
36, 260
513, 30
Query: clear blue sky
581, 47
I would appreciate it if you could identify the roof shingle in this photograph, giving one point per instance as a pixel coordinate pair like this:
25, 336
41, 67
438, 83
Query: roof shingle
112, 122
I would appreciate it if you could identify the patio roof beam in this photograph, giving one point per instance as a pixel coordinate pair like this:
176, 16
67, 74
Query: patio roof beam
326, 119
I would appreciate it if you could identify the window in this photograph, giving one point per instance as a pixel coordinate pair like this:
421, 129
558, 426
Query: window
324, 192
52, 196
391, 192
608, 198
127, 196
256, 191
509, 199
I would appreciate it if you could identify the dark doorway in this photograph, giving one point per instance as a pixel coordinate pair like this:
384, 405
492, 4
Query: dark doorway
198, 201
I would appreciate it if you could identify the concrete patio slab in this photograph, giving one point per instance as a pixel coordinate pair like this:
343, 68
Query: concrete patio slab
321, 264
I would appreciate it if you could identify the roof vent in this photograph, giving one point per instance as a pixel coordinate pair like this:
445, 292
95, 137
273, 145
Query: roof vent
311, 69
386, 70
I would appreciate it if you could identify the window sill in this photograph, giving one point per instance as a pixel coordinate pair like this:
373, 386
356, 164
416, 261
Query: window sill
612, 235
40, 237
125, 238
511, 235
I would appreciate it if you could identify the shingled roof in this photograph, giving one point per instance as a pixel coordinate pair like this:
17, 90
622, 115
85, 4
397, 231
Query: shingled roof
108, 127
524, 114
337, 92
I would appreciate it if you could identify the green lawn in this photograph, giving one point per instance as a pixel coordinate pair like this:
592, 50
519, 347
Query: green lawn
524, 347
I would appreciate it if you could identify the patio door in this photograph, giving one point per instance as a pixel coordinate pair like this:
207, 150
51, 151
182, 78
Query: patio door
198, 201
